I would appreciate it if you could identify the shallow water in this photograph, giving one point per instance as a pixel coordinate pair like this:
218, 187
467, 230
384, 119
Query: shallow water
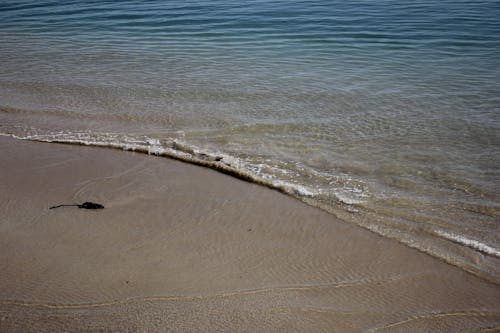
385, 114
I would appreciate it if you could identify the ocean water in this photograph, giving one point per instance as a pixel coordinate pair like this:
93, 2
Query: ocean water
384, 113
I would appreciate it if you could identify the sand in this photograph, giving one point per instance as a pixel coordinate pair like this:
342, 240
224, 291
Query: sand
183, 248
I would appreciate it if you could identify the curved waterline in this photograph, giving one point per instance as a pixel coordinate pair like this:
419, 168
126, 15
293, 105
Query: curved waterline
183, 153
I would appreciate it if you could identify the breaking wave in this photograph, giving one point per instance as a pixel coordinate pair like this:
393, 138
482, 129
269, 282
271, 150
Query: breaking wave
177, 150
475, 244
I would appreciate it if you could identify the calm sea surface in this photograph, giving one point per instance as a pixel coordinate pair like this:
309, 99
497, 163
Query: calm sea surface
385, 113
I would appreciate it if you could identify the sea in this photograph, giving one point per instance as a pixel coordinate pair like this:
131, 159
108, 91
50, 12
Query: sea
384, 113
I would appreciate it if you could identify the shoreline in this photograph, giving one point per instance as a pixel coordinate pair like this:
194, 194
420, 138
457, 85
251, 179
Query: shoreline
469, 254
185, 242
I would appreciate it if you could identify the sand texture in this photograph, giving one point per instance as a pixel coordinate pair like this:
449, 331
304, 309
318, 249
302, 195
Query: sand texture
183, 248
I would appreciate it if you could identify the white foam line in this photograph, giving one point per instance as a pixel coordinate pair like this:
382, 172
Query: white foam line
470, 243
299, 189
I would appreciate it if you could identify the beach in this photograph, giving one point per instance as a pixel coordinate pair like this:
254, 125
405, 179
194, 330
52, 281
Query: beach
181, 247
385, 115
264, 166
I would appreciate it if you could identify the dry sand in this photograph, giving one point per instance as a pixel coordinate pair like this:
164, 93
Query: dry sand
184, 248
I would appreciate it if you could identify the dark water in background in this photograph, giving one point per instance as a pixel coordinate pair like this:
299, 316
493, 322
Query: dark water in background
386, 113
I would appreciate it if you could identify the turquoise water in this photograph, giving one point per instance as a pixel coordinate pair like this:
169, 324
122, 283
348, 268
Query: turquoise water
384, 113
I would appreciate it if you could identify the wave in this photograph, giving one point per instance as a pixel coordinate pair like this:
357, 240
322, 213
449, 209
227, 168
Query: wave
475, 244
173, 149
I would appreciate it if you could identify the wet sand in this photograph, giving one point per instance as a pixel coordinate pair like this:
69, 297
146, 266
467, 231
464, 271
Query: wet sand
184, 248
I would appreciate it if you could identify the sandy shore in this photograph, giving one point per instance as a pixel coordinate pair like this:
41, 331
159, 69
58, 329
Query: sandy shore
184, 248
